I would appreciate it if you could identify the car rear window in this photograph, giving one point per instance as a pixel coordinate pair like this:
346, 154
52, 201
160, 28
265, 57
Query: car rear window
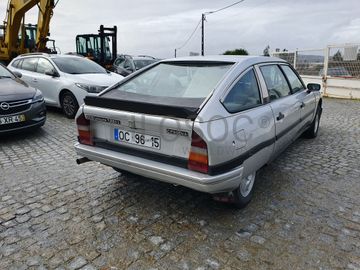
173, 81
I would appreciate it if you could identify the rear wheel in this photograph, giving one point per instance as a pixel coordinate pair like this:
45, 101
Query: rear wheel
244, 193
69, 105
313, 130
241, 196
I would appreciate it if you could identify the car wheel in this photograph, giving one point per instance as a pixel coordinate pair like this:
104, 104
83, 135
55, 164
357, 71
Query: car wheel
313, 130
244, 193
69, 105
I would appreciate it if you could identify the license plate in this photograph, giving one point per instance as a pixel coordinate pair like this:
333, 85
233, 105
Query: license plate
137, 138
12, 119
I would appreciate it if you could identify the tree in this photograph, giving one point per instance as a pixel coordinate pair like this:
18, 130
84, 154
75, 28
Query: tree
240, 51
266, 51
337, 56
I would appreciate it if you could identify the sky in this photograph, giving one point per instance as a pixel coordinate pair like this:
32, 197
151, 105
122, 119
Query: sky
157, 27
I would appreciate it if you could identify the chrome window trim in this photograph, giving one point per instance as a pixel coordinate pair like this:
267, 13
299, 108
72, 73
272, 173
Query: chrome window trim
263, 87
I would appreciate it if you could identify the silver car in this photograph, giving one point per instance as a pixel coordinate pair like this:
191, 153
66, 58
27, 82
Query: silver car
207, 123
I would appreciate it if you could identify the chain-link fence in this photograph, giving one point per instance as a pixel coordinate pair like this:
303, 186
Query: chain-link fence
332, 61
336, 66
344, 62
310, 62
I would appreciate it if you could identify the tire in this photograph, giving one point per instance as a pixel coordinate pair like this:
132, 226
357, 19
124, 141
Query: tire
244, 193
313, 130
69, 105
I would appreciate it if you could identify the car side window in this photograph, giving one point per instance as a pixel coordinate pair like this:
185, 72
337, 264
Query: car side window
15, 63
275, 81
43, 66
295, 83
244, 95
29, 64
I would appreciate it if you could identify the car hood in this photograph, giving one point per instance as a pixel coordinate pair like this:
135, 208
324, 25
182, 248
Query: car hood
97, 79
15, 89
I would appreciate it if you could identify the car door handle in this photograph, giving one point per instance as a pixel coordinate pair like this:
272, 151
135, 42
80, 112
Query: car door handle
280, 116
34, 80
302, 105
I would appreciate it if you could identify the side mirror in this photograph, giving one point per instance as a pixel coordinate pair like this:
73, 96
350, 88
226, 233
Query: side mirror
52, 73
17, 74
312, 87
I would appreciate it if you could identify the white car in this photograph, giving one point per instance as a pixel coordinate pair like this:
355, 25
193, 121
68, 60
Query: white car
64, 80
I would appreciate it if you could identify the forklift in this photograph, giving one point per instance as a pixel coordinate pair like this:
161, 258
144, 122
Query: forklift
97, 46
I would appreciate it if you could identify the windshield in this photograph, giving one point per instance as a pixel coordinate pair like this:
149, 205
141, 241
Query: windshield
78, 65
139, 64
4, 73
177, 80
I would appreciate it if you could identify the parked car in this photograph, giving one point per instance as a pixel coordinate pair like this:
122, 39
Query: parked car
336, 72
207, 123
21, 106
64, 80
127, 64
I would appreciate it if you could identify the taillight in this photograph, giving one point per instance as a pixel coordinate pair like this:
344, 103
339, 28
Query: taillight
198, 158
84, 132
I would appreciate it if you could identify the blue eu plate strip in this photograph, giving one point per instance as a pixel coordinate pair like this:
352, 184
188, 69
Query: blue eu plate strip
116, 134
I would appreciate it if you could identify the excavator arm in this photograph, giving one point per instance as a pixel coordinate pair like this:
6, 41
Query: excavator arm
17, 9
46, 8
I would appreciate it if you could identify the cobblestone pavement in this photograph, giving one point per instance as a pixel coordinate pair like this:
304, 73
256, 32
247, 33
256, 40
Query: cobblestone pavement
56, 215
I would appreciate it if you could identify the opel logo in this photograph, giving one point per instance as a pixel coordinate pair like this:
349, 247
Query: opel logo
4, 106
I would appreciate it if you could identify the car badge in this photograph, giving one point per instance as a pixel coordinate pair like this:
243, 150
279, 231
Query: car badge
132, 124
4, 106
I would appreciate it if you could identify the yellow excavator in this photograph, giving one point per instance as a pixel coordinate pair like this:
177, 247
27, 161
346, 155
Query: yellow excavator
17, 38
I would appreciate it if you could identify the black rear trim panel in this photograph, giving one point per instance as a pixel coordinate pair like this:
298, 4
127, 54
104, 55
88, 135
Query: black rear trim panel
179, 111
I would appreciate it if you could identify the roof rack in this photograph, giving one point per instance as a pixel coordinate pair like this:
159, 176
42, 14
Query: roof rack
37, 53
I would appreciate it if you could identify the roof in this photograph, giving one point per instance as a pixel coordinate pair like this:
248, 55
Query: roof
47, 55
228, 58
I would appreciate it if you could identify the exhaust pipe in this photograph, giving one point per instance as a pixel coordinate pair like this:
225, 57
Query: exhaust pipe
80, 161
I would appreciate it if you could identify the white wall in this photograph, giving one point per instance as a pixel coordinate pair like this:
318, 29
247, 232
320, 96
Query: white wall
337, 87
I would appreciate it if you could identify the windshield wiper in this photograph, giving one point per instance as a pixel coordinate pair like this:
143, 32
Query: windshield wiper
5, 77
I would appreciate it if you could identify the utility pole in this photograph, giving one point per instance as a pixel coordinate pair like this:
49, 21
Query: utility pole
203, 18
175, 53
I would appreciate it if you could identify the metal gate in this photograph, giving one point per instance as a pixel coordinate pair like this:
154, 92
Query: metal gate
336, 67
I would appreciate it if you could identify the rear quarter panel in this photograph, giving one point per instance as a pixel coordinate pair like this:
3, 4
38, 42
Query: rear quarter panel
245, 138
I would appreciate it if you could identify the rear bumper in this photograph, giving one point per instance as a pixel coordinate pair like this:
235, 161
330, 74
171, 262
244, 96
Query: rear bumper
163, 172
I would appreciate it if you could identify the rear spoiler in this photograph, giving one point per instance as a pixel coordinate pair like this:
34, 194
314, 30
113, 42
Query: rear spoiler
142, 107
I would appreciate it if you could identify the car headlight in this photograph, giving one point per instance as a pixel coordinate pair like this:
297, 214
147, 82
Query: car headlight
38, 97
91, 88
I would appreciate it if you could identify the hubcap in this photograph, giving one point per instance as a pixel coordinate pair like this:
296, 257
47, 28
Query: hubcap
247, 184
69, 105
